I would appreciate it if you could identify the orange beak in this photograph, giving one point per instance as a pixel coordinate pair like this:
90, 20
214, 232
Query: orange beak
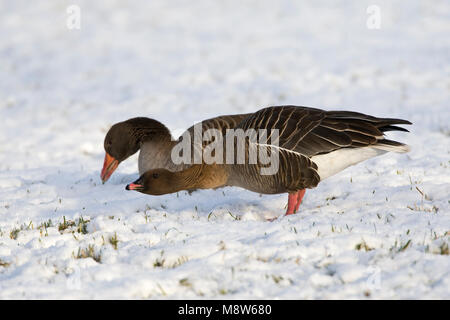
109, 165
134, 186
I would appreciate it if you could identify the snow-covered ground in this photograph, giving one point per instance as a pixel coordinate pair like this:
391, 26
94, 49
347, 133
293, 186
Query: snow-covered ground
380, 229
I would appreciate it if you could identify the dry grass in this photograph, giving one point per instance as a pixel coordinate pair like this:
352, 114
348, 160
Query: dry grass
88, 252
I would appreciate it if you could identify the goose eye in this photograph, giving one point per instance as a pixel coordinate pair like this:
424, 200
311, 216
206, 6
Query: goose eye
155, 176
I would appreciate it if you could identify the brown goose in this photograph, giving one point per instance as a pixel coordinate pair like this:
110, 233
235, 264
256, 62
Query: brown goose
313, 144
154, 141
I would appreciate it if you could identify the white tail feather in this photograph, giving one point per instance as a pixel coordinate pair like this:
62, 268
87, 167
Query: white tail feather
400, 149
336, 161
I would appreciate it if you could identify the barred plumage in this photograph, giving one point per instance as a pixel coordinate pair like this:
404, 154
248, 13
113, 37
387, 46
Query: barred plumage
312, 145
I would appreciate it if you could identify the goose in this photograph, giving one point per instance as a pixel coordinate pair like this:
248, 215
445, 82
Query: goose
312, 145
154, 141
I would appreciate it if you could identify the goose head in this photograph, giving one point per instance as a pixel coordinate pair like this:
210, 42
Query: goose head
158, 182
124, 139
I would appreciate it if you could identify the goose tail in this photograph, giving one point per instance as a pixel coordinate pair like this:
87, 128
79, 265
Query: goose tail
393, 146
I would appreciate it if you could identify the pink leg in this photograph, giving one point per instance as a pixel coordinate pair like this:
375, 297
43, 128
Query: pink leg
300, 196
292, 201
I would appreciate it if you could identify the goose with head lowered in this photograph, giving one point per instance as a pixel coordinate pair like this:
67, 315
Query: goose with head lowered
154, 141
312, 145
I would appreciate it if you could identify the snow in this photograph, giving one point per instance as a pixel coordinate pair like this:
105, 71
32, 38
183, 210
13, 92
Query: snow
378, 230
